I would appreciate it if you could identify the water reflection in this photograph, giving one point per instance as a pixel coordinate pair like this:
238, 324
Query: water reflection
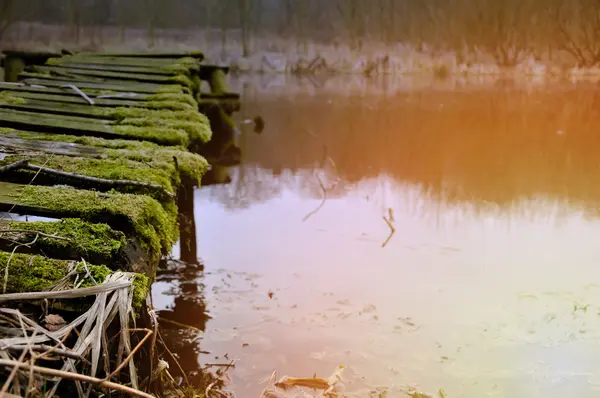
487, 288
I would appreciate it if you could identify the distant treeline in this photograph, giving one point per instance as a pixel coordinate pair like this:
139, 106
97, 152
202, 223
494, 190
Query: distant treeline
507, 29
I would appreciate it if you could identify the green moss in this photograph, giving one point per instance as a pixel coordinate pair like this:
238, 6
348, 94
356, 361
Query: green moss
28, 273
190, 165
171, 88
6, 97
98, 243
33, 273
141, 289
197, 132
179, 97
170, 105
156, 229
183, 80
123, 113
118, 168
165, 136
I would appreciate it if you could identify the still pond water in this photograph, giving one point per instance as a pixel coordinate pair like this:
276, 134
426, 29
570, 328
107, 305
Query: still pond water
490, 285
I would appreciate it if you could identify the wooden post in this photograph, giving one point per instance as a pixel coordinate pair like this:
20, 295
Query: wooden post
13, 66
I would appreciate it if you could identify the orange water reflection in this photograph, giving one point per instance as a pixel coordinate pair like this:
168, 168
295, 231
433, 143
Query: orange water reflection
490, 285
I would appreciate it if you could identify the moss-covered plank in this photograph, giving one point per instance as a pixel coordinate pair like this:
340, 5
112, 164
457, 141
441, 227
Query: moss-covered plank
181, 79
166, 101
198, 55
167, 70
138, 216
31, 121
67, 239
106, 169
173, 160
119, 86
35, 273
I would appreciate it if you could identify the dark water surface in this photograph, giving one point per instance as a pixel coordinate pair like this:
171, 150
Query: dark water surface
490, 285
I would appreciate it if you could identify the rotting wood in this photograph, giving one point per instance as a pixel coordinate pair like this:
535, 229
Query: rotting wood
71, 239
155, 227
95, 180
119, 86
68, 109
142, 78
141, 70
199, 55
190, 64
30, 121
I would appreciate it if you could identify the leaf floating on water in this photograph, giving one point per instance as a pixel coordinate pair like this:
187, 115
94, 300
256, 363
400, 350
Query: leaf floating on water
317, 383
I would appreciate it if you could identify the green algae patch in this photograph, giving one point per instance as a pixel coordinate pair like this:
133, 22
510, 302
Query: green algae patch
108, 169
98, 243
34, 273
140, 215
175, 161
197, 132
6, 97
164, 136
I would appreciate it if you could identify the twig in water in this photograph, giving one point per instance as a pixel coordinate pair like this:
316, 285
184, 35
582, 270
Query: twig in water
312, 213
392, 231
76, 376
181, 325
187, 382
209, 388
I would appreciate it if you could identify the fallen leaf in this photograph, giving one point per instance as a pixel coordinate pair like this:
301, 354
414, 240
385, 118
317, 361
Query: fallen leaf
54, 322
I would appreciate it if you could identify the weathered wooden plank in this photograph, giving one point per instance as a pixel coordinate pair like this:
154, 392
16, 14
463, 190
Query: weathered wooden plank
63, 90
183, 54
68, 109
76, 72
189, 63
119, 86
142, 70
31, 121
10, 143
70, 99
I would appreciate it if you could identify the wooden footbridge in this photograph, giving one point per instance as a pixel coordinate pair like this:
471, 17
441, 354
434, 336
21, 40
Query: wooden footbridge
106, 148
